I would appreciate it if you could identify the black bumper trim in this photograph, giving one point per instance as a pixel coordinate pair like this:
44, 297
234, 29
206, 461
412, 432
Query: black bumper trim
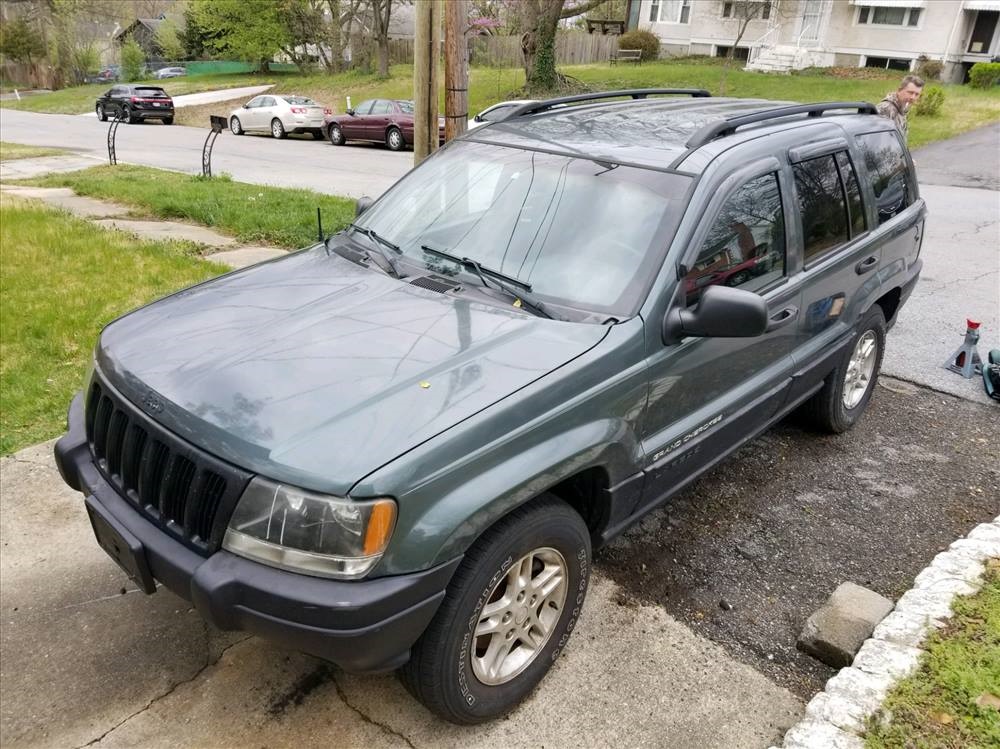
363, 626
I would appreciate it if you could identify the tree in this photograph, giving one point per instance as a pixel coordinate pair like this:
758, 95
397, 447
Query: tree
133, 60
168, 40
381, 11
539, 20
20, 42
742, 13
250, 30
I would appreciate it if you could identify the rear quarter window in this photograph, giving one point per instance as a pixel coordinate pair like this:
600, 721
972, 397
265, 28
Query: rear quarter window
888, 171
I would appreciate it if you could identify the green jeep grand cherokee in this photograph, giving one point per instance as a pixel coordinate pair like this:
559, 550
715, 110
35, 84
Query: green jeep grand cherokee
397, 449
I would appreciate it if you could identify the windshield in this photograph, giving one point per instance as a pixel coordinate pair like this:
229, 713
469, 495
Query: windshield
583, 234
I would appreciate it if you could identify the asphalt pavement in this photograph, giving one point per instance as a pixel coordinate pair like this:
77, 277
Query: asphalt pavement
353, 171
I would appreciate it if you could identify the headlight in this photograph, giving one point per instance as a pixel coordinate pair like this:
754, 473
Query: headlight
303, 531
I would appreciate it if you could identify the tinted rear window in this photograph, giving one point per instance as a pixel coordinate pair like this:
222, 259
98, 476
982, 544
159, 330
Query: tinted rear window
152, 93
303, 100
887, 168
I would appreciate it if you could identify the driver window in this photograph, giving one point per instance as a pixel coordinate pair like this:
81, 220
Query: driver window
381, 107
745, 247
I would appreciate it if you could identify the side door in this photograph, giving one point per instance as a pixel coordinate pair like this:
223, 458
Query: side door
248, 115
354, 125
265, 112
840, 254
378, 120
116, 98
708, 395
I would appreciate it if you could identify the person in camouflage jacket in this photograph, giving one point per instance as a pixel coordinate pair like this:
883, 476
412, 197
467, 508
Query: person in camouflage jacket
896, 105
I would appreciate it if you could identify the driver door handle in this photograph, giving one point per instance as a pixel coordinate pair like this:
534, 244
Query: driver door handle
866, 265
782, 318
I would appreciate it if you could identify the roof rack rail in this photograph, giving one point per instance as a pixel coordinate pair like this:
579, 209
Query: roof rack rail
635, 93
722, 128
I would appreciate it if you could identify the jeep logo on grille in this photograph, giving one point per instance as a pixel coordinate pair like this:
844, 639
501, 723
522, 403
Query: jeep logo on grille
151, 403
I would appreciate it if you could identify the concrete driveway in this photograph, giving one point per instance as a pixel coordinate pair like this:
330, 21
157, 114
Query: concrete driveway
88, 659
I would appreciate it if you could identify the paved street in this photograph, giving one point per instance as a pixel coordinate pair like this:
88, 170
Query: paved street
657, 660
352, 170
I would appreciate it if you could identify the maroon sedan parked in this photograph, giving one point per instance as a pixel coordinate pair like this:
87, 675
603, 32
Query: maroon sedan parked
388, 121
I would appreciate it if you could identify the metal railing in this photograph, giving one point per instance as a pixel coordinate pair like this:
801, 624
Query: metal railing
758, 44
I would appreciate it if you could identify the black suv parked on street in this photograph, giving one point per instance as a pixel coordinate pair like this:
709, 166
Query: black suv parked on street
135, 104
396, 449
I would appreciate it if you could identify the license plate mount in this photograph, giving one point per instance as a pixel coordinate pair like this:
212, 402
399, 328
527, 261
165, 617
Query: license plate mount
121, 545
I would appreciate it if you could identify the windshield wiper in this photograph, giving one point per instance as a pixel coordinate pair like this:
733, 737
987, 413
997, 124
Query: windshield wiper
502, 281
383, 246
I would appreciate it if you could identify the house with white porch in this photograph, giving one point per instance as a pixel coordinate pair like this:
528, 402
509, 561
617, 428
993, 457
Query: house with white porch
784, 35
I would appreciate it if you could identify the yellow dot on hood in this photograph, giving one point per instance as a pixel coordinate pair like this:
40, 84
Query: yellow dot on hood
424, 384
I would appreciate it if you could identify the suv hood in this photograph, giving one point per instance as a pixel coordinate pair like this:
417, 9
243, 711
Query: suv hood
316, 371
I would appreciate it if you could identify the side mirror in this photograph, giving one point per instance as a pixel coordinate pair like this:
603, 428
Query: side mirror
363, 204
246, 106
722, 312
350, 112
477, 118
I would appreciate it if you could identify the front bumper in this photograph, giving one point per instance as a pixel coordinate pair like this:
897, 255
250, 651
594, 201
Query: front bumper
363, 626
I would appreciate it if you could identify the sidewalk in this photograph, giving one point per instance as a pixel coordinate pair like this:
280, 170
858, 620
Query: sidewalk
222, 249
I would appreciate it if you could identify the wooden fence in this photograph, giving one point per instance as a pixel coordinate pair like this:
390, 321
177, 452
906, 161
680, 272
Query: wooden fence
572, 48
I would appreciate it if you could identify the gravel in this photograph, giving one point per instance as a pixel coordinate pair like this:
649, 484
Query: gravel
776, 528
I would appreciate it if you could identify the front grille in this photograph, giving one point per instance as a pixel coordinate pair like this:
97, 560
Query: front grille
184, 490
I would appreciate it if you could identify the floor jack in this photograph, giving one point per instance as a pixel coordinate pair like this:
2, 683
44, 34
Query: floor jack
967, 362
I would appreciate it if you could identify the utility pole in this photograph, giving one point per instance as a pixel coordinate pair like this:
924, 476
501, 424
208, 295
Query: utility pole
456, 69
426, 50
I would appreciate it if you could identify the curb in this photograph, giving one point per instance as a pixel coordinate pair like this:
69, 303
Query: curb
835, 717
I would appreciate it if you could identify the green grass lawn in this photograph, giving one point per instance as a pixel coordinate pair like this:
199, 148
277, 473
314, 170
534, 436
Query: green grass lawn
252, 213
951, 702
964, 109
11, 151
63, 278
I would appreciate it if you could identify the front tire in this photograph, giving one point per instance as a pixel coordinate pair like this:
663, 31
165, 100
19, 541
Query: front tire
506, 617
336, 135
394, 139
845, 395
235, 126
277, 129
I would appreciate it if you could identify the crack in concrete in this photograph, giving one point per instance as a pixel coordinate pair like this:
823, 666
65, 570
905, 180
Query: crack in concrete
366, 719
173, 688
14, 459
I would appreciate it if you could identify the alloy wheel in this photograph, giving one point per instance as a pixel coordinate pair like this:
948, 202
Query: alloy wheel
860, 368
519, 616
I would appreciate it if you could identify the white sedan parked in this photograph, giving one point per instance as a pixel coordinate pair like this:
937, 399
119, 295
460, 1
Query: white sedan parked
497, 112
279, 115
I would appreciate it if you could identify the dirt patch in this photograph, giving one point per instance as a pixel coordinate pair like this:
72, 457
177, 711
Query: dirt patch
748, 552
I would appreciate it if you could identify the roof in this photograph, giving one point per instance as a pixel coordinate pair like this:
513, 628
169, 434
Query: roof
644, 132
150, 23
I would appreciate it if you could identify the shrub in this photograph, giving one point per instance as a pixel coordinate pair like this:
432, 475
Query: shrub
647, 41
930, 101
133, 61
984, 74
929, 69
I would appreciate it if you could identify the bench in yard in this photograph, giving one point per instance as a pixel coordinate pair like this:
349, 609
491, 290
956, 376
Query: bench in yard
626, 55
